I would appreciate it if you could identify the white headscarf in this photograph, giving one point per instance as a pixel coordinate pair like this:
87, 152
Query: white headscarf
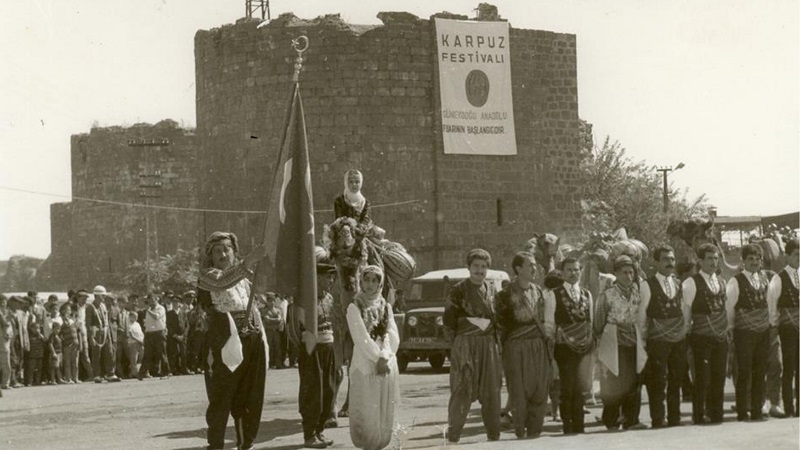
354, 199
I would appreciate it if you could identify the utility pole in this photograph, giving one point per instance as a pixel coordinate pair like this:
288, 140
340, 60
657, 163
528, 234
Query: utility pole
664, 172
150, 184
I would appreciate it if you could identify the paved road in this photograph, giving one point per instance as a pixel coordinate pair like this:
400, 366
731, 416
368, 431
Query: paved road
169, 414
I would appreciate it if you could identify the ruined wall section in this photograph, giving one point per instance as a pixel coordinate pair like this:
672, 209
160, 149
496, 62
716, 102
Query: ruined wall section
101, 231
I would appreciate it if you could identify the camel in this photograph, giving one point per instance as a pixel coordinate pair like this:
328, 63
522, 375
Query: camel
685, 237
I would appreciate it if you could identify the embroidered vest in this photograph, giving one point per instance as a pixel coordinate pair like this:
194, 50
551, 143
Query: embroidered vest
661, 306
752, 313
789, 292
573, 320
705, 301
568, 310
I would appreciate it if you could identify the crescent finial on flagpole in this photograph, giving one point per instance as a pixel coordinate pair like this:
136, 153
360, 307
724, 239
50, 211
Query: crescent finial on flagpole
299, 44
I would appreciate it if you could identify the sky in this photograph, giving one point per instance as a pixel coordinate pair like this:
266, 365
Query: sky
714, 84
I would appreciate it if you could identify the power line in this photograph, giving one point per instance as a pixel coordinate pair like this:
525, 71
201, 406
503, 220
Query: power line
178, 208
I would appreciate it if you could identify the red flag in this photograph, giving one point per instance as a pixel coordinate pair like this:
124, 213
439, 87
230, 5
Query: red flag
289, 230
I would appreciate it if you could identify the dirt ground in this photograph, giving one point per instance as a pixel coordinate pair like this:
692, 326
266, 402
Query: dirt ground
169, 414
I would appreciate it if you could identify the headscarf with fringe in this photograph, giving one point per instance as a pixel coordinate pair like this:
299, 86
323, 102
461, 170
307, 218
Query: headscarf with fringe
372, 306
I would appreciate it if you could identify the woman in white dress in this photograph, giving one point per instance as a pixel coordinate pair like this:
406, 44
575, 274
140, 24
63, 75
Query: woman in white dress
374, 388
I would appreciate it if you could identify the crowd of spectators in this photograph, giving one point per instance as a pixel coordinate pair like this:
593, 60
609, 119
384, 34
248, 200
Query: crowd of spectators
102, 337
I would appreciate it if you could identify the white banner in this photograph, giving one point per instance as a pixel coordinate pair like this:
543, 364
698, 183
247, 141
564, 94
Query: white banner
475, 86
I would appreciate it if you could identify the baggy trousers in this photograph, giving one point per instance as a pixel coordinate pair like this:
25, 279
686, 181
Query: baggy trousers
621, 393
475, 374
575, 370
528, 377
239, 394
317, 384
666, 362
752, 353
710, 363
791, 364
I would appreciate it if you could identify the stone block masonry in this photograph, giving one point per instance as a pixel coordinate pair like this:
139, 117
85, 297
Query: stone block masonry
151, 165
372, 102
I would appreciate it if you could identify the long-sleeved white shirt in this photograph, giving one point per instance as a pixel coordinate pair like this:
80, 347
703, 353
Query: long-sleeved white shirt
774, 292
367, 351
155, 319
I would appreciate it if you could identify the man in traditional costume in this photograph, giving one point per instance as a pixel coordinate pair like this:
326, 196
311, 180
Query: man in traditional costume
662, 320
707, 324
236, 341
569, 308
620, 348
526, 356
748, 317
317, 362
782, 299
475, 365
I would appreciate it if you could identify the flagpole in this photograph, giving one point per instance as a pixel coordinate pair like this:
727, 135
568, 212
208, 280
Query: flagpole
300, 45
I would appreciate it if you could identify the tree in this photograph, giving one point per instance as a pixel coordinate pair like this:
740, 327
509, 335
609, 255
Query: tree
619, 192
177, 272
20, 274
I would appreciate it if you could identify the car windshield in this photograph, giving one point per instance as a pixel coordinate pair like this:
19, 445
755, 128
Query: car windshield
435, 291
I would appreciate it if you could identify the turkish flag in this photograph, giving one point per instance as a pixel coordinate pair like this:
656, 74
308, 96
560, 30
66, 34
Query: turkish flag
289, 230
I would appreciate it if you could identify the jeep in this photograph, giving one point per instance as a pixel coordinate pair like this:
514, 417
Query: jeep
419, 321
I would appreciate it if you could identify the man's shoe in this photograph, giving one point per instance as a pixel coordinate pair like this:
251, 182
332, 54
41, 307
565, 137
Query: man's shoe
113, 379
321, 437
777, 412
313, 442
98, 380
452, 438
636, 426
331, 423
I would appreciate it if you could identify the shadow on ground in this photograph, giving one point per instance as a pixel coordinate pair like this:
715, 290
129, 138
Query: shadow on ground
273, 428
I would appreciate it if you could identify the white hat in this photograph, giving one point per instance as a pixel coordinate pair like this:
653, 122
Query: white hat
99, 290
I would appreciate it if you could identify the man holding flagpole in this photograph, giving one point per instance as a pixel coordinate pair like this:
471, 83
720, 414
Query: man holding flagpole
237, 345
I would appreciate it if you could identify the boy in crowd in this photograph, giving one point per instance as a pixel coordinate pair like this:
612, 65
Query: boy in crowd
33, 360
54, 346
197, 351
272, 318
134, 343
70, 344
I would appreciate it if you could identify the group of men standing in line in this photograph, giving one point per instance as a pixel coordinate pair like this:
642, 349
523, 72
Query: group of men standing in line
638, 330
